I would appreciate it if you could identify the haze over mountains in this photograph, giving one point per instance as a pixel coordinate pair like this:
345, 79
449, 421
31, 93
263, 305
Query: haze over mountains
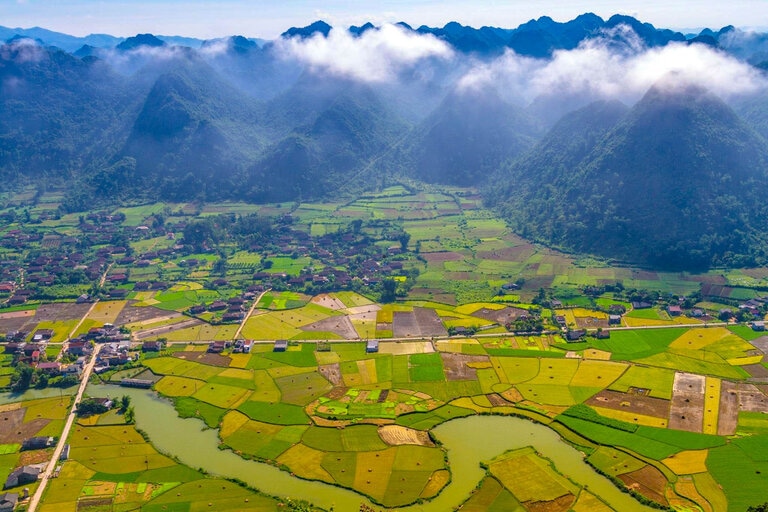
604, 136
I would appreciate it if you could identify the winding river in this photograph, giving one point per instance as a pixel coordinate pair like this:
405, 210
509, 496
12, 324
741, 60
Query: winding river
198, 448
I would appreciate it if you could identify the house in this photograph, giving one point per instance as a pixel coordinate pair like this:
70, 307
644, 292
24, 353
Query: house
758, 325
217, 347
641, 305
674, 310
575, 334
614, 319
22, 476
697, 313
602, 334
372, 346
8, 501
42, 335
247, 346
64, 453
38, 443
51, 368
560, 319
280, 346
151, 346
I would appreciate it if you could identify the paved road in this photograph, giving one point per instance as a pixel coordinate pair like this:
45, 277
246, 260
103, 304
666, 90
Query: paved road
71, 335
35, 500
248, 315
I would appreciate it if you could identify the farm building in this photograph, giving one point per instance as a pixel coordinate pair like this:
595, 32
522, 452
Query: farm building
247, 345
575, 335
372, 346
37, 443
8, 501
280, 346
21, 476
614, 319
758, 325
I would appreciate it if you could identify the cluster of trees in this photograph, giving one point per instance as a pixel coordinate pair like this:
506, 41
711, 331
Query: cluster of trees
25, 376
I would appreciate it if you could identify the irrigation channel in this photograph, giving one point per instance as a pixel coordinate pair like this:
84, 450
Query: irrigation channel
468, 441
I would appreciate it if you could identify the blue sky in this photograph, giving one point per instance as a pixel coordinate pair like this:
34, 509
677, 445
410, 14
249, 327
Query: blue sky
268, 18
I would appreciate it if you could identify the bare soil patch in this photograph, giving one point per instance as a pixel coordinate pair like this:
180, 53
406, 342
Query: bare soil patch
14, 430
165, 329
456, 365
751, 398
645, 405
498, 400
687, 411
422, 322
728, 415
332, 372
60, 312
590, 322
648, 481
329, 302
340, 325
131, 313
756, 370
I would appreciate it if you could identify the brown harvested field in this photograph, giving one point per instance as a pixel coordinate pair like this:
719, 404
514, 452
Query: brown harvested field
17, 314
165, 329
18, 323
561, 504
204, 358
15, 430
497, 400
648, 481
500, 316
687, 410
329, 302
590, 322
761, 344
34, 457
751, 398
456, 365
518, 253
757, 371
60, 312
646, 405
395, 435
422, 322
131, 313
536, 282
439, 257
332, 372
340, 325
728, 416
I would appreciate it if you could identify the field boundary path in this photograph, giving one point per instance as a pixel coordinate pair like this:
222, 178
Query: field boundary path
33, 502
250, 312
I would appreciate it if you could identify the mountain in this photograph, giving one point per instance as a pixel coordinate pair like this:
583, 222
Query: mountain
344, 129
140, 40
675, 184
466, 138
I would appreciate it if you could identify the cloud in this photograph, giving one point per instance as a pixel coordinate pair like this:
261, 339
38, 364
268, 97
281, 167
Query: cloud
22, 50
376, 56
615, 65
